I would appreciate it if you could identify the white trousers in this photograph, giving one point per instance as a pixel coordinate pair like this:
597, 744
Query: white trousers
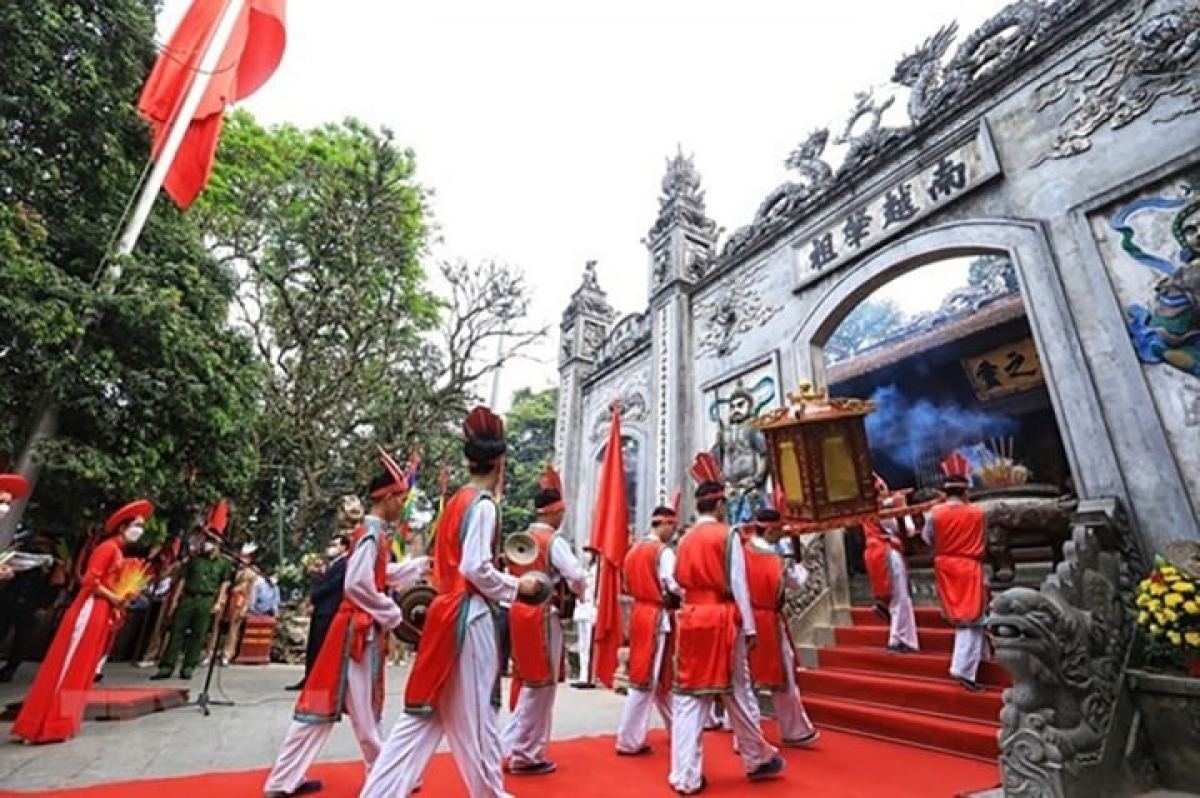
689, 713
635, 715
968, 652
583, 633
904, 622
303, 742
528, 730
790, 715
465, 716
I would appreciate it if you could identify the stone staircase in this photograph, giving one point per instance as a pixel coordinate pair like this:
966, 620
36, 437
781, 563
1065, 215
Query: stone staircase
850, 682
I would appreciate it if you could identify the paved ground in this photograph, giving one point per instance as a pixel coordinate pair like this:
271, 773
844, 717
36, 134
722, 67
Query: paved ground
242, 737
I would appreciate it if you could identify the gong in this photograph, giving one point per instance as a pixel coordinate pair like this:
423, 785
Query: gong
414, 604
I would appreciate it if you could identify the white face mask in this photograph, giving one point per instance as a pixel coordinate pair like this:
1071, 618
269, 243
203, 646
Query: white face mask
332, 552
4, 508
134, 533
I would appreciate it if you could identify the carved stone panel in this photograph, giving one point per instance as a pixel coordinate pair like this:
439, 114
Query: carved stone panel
1150, 244
731, 311
1147, 57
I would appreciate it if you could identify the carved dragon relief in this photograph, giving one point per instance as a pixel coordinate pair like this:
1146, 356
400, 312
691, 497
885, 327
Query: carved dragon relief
934, 86
1141, 59
797, 602
627, 336
728, 314
1065, 647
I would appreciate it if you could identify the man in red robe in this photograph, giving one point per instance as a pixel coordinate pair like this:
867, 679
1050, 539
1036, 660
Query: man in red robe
347, 677
956, 530
450, 690
883, 557
715, 630
773, 660
53, 709
537, 636
649, 572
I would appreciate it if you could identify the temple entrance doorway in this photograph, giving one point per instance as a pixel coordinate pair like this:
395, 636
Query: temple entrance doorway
947, 353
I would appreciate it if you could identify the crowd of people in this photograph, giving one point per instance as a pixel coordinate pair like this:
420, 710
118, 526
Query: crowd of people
707, 632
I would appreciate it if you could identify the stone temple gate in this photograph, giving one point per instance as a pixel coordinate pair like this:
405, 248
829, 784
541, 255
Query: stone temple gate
1062, 135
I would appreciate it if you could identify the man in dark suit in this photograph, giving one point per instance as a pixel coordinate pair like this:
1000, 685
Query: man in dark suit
325, 598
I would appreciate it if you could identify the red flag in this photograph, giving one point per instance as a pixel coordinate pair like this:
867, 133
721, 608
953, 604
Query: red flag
610, 539
249, 59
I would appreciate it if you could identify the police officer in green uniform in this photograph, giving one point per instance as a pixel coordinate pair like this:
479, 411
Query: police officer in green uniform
204, 576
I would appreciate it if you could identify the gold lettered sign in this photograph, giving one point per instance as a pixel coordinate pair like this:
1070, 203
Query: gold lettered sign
1005, 370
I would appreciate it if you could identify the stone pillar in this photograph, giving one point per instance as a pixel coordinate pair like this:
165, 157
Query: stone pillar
585, 325
682, 247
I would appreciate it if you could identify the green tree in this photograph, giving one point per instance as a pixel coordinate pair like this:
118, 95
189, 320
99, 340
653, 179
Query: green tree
159, 396
995, 271
327, 227
529, 425
872, 322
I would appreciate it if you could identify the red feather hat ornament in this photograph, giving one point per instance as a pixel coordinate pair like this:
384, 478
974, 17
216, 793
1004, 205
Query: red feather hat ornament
957, 470
676, 501
707, 473
550, 484
482, 423
399, 477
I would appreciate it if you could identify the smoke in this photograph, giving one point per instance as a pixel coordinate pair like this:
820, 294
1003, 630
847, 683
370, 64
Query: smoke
901, 430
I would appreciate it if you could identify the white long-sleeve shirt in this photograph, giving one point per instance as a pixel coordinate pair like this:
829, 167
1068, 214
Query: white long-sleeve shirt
476, 565
738, 587
566, 566
360, 579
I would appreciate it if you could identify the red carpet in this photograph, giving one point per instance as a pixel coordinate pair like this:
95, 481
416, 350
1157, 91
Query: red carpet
860, 687
122, 703
841, 766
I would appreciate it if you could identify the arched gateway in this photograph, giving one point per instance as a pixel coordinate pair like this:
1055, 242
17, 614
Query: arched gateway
1061, 139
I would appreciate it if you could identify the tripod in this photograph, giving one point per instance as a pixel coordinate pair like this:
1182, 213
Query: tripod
202, 700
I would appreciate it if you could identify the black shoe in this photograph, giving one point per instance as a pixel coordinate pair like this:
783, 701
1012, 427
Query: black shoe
971, 685
543, 768
161, 674
767, 770
294, 687
99, 677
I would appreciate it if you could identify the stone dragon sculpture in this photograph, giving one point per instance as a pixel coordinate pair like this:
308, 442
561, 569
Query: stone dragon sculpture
1064, 646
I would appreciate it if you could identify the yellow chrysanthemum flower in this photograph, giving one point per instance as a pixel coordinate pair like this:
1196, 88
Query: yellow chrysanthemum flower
1191, 608
1184, 587
1144, 584
1155, 629
1154, 606
1143, 616
1192, 638
1174, 637
1158, 590
1173, 600
1143, 600
1168, 570
1170, 616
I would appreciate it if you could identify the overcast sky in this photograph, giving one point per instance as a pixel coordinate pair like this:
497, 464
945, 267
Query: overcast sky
544, 127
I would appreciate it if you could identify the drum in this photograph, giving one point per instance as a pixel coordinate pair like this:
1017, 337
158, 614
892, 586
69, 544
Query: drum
258, 632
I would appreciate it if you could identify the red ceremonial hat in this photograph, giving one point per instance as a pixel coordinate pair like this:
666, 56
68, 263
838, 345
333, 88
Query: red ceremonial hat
705, 469
483, 423
142, 508
551, 482
957, 469
15, 485
218, 518
399, 477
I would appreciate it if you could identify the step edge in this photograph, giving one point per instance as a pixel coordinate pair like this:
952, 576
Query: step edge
911, 744
989, 689
919, 714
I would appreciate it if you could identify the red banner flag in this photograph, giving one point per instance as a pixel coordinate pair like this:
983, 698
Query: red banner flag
610, 539
247, 61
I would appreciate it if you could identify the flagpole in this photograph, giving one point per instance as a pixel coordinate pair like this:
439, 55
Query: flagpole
179, 127
46, 424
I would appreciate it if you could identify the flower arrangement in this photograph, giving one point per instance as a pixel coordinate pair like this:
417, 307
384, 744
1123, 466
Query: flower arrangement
132, 578
1168, 603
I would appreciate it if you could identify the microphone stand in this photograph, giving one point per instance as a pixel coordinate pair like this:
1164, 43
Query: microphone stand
202, 700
